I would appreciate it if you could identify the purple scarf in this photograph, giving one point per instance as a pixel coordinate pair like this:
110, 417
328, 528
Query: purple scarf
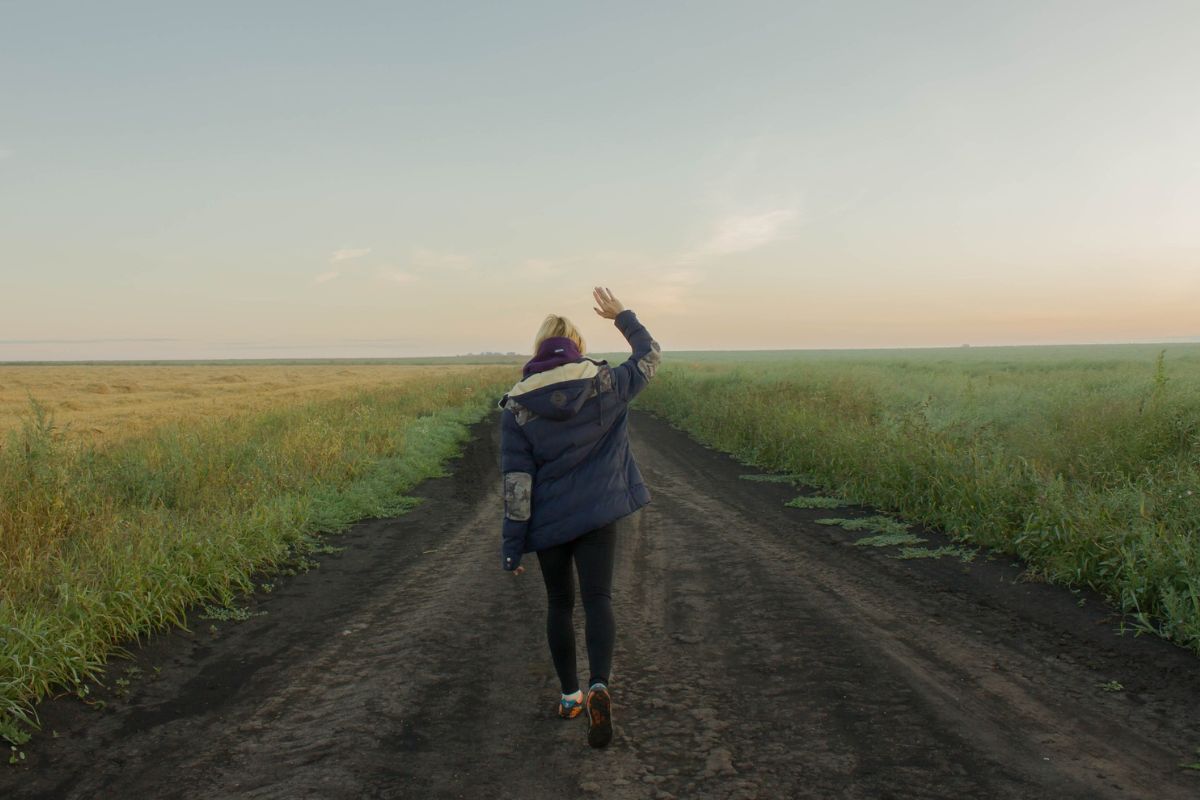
553, 352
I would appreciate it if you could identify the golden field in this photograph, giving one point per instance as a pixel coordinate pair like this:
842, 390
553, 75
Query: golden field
131, 494
103, 402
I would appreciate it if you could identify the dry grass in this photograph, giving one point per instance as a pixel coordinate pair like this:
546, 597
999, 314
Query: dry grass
173, 485
101, 403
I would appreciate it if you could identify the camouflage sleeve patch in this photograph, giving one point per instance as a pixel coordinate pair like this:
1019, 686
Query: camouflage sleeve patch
648, 364
518, 491
604, 379
519, 411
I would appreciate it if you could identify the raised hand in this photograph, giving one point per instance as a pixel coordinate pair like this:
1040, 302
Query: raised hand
609, 306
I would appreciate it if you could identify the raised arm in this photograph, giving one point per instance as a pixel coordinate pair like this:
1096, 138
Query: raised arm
633, 375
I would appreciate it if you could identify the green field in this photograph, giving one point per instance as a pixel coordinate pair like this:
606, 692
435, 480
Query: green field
1084, 461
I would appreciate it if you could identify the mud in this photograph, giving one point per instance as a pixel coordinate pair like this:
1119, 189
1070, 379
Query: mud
759, 655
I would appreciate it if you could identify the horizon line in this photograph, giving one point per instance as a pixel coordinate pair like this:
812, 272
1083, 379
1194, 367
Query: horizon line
501, 356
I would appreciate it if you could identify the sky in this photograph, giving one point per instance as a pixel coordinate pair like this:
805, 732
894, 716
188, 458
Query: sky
371, 179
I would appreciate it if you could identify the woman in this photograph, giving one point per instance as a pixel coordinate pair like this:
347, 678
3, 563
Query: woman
568, 477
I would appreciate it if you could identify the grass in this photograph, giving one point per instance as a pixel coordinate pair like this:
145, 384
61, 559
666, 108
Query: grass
964, 554
227, 613
888, 532
888, 540
815, 501
103, 542
1082, 461
878, 524
794, 479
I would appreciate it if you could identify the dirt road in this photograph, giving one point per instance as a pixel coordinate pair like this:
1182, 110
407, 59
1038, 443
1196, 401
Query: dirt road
759, 655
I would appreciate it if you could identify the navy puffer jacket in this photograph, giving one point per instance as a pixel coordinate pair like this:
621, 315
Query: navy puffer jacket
564, 447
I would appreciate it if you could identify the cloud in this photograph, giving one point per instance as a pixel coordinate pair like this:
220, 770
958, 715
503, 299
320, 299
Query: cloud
423, 258
540, 268
5, 152
741, 232
347, 253
749, 166
669, 281
396, 275
326, 277
668, 291
669, 287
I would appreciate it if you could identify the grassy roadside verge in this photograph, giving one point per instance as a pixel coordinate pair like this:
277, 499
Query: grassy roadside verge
102, 545
1089, 469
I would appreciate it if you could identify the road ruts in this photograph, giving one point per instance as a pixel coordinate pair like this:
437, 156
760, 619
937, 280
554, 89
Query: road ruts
758, 656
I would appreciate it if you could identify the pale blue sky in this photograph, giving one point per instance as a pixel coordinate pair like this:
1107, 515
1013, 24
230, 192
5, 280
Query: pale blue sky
373, 179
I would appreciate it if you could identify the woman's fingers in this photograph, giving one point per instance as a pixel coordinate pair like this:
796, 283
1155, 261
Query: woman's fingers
604, 296
609, 306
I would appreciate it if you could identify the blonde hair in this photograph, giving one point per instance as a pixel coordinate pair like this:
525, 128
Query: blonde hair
554, 325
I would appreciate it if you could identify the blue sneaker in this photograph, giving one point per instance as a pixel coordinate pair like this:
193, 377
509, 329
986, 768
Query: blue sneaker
570, 706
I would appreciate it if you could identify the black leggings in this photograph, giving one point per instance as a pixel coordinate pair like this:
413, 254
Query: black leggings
593, 555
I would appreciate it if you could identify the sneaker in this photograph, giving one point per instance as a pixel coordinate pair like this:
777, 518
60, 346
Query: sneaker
599, 708
570, 705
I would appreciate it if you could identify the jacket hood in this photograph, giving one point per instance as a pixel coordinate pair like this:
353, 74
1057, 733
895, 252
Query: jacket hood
557, 393
553, 352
